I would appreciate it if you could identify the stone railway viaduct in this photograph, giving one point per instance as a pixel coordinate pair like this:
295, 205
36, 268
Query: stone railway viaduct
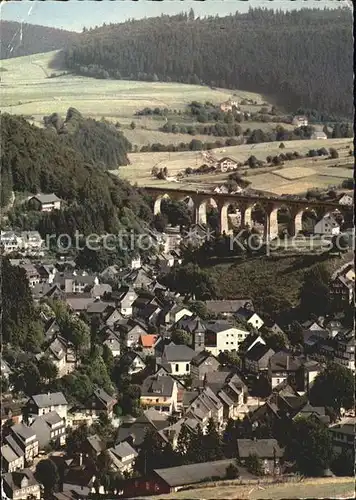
245, 204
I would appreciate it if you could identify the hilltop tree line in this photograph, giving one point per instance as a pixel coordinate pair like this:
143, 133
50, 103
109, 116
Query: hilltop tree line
302, 57
21, 39
35, 160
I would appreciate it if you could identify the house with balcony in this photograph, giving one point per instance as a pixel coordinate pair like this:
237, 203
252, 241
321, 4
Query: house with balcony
343, 434
45, 202
123, 457
160, 393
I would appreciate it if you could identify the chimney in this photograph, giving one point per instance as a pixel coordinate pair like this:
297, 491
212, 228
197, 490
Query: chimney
80, 459
287, 363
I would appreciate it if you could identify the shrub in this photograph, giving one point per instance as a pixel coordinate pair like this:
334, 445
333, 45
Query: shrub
333, 153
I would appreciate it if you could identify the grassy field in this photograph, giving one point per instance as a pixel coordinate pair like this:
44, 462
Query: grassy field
295, 177
311, 488
26, 89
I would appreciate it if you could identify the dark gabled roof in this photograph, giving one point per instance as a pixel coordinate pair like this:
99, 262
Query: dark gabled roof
96, 443
13, 479
160, 386
245, 313
174, 352
23, 431
14, 446
46, 198
263, 448
8, 454
194, 473
218, 326
50, 399
258, 351
103, 396
284, 361
191, 324
123, 450
201, 357
227, 306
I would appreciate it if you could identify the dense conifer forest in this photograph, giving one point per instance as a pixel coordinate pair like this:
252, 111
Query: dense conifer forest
41, 160
300, 58
22, 39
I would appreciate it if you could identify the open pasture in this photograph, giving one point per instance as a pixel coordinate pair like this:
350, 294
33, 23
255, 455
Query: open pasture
26, 89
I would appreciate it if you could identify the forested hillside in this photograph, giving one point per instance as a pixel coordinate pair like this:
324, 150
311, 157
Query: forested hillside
22, 39
302, 58
99, 143
39, 160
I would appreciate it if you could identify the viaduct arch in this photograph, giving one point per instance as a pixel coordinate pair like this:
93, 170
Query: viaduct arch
271, 206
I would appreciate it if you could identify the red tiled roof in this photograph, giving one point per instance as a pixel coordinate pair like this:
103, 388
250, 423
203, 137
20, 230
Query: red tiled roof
148, 340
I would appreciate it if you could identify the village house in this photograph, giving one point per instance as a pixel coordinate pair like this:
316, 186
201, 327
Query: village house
100, 402
175, 313
20, 485
32, 243
112, 342
49, 428
10, 242
327, 225
45, 202
147, 344
10, 460
344, 352
134, 362
300, 121
346, 199
318, 134
226, 164
75, 282
267, 450
23, 438
133, 332
221, 336
228, 308
40, 404
204, 362
126, 302
159, 393
343, 434
204, 406
62, 354
257, 358
342, 287
229, 105
123, 457
282, 365
250, 316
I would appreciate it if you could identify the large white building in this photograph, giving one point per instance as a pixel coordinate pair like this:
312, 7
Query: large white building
221, 336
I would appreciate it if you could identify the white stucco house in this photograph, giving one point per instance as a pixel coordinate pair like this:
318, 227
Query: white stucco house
327, 226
